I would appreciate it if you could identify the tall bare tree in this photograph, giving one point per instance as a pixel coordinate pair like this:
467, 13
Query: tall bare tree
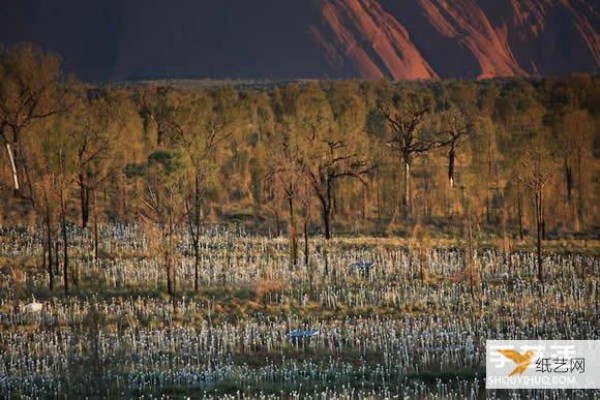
408, 139
456, 128
537, 165
329, 161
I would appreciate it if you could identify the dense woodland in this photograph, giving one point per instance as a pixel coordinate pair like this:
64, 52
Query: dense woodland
225, 195
320, 157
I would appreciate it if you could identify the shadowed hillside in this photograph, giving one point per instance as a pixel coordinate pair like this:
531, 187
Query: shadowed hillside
273, 39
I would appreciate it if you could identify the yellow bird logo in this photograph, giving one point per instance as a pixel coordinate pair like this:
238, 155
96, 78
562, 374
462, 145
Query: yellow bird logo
522, 360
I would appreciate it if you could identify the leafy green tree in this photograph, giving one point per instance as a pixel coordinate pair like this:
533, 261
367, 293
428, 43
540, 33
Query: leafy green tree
98, 121
164, 176
574, 143
197, 123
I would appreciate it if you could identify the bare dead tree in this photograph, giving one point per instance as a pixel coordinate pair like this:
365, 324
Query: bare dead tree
408, 141
537, 166
324, 170
456, 129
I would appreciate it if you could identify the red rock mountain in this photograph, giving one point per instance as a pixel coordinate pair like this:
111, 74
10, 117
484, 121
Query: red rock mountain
467, 38
289, 39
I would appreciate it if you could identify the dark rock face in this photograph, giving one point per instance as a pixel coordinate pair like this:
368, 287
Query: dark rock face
274, 39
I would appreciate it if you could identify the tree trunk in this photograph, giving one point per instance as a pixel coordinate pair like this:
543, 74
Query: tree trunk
13, 167
56, 259
124, 197
326, 214
488, 209
506, 247
580, 192
571, 213
196, 266
18, 168
292, 233
538, 212
306, 241
95, 212
327, 222
422, 258
168, 253
63, 223
195, 235
169, 270
195, 230
363, 198
451, 157
542, 216
44, 253
471, 254
407, 201
277, 223
327, 207
539, 254
379, 202
84, 197
568, 180
31, 196
169, 263
335, 206
49, 249
520, 214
